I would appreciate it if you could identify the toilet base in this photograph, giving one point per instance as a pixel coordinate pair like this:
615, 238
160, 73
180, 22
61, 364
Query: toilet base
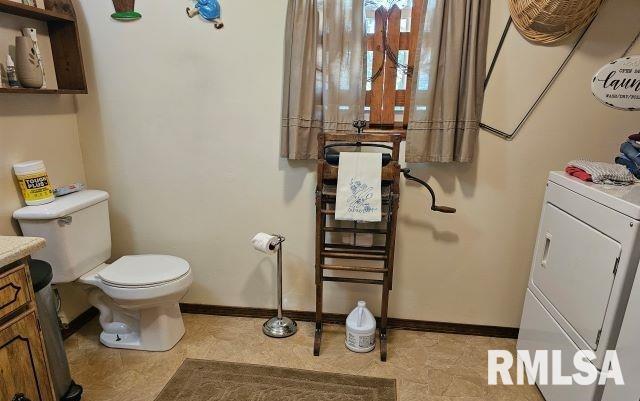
153, 328
162, 340
126, 341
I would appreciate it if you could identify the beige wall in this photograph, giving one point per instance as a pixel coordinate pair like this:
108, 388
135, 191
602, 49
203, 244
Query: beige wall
34, 127
37, 127
182, 128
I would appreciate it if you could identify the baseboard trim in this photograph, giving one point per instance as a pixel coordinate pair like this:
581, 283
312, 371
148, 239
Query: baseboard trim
337, 318
77, 323
308, 316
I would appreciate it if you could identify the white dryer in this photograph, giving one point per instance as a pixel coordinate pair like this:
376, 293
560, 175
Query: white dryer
628, 348
584, 263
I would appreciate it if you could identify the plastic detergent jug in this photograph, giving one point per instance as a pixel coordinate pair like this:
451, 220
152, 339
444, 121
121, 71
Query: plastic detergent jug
361, 329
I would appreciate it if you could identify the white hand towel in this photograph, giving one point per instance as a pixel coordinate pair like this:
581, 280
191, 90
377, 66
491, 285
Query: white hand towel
358, 191
605, 173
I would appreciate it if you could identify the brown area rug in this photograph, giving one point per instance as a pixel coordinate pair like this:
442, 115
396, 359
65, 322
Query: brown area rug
201, 380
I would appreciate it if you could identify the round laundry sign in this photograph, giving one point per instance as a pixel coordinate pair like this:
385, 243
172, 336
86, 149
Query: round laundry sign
617, 84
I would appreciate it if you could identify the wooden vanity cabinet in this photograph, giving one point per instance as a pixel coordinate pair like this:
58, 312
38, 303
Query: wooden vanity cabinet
23, 364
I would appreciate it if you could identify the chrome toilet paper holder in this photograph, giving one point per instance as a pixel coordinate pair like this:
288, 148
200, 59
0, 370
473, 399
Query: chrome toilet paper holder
279, 326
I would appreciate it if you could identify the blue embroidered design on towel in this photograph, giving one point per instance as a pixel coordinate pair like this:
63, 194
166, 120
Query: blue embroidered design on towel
358, 202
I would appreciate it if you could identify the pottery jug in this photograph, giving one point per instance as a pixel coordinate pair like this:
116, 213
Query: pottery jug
27, 66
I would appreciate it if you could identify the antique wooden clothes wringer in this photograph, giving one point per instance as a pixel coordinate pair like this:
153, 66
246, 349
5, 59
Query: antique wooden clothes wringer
380, 254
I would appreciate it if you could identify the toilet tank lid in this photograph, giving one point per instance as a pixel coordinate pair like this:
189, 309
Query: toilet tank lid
61, 206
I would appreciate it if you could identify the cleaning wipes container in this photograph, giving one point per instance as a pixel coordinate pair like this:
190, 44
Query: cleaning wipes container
361, 329
34, 182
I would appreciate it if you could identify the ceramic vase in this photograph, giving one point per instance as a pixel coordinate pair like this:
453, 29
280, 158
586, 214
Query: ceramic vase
27, 67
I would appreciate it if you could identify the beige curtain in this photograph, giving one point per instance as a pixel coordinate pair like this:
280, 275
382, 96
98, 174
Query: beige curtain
448, 82
324, 81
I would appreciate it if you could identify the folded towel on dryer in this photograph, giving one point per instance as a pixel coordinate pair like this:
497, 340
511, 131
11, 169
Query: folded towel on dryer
578, 173
604, 173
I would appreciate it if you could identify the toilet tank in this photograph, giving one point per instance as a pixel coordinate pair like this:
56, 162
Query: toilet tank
76, 228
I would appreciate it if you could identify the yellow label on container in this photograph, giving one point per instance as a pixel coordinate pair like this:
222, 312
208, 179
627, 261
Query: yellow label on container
35, 187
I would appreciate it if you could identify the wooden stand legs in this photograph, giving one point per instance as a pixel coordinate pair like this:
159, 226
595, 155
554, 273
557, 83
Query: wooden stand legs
318, 332
329, 250
383, 321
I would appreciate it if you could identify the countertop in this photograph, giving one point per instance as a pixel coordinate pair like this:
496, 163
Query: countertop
13, 248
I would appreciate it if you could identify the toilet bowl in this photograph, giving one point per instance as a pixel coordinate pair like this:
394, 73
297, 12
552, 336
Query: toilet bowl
137, 295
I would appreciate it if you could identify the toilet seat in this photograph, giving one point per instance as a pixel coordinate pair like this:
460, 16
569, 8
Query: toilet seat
141, 271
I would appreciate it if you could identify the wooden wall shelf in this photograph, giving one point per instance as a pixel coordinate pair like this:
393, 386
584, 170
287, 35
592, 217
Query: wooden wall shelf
27, 90
65, 44
21, 10
43, 91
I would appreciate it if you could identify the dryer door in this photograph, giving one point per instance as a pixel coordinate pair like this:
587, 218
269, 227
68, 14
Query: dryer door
574, 267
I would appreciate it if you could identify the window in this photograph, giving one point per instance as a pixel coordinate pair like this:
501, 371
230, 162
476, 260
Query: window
392, 28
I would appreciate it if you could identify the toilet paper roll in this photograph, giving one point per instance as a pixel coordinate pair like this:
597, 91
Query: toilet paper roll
266, 243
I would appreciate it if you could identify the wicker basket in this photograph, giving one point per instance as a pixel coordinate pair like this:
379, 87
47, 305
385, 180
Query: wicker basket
550, 21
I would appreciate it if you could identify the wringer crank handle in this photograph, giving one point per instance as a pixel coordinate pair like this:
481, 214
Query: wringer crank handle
434, 207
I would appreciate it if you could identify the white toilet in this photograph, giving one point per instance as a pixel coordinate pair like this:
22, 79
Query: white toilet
137, 296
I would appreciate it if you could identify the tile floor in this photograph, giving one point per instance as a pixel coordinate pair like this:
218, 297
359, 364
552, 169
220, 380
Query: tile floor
426, 366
